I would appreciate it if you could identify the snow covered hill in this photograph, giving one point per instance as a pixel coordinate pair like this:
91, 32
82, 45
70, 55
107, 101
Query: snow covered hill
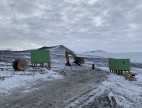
133, 56
56, 49
96, 51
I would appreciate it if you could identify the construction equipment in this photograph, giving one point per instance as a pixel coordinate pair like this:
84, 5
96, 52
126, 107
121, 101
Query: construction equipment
77, 60
130, 77
19, 65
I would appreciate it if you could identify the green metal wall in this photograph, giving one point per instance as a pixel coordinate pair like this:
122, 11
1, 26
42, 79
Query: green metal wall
119, 64
40, 56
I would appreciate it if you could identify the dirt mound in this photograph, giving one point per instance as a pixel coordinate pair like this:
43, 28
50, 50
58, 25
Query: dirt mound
103, 101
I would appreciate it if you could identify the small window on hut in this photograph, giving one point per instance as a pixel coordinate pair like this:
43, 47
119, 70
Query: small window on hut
123, 62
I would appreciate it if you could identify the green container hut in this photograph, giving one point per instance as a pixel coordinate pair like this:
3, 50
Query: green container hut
40, 57
119, 64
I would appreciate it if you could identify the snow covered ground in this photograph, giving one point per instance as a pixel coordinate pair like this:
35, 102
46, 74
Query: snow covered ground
126, 93
10, 79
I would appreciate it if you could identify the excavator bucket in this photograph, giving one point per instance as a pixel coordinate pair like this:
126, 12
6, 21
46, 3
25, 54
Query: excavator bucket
68, 64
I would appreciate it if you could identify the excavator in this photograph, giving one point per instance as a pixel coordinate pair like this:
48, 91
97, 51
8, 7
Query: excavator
77, 60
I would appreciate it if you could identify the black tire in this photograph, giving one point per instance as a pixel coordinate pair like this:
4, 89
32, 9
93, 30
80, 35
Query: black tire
15, 63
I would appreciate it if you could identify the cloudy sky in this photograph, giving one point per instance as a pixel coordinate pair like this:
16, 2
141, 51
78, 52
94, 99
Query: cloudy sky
81, 25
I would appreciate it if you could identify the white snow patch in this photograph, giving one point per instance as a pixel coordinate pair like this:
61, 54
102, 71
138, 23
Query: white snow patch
126, 93
15, 79
27, 91
104, 68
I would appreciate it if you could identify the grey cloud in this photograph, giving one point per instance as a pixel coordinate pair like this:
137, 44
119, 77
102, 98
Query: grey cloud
103, 24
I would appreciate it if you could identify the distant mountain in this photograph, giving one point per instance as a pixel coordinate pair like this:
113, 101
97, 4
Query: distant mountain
96, 51
56, 49
46, 48
133, 56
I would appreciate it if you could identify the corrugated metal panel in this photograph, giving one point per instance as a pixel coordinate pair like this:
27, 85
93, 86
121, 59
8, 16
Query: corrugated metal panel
40, 56
119, 64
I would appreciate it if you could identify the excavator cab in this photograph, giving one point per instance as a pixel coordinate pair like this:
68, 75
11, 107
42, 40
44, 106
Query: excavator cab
77, 60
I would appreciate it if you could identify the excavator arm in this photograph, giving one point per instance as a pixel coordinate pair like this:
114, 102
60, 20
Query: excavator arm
67, 57
77, 60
